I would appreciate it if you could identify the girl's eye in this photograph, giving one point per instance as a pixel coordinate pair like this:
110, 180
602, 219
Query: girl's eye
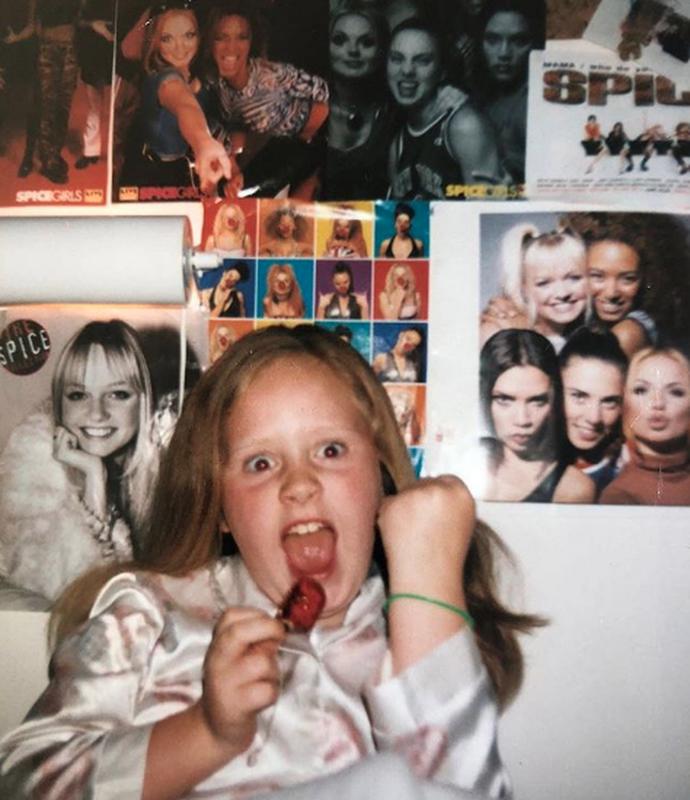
678, 392
338, 39
75, 396
639, 390
258, 464
332, 450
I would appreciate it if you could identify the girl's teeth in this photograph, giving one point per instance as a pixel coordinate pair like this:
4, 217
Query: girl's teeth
305, 527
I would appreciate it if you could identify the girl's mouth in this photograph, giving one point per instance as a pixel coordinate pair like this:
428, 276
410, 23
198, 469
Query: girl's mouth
310, 547
98, 433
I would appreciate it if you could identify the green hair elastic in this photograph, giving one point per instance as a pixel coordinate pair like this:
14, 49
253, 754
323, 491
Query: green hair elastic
410, 596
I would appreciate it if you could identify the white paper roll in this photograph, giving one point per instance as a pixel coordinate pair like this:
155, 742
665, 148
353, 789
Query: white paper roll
95, 260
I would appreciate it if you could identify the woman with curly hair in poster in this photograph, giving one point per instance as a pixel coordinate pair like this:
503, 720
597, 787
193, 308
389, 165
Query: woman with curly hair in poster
283, 298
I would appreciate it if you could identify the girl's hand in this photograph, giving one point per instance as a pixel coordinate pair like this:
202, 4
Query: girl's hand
66, 450
241, 674
426, 531
211, 163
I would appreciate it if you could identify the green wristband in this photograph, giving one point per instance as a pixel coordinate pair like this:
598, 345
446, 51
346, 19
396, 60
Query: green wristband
459, 611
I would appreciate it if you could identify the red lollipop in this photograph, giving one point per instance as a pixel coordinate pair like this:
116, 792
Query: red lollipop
303, 605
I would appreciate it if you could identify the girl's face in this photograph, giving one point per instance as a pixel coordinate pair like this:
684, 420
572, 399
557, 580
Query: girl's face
521, 402
282, 284
179, 38
232, 42
593, 400
231, 219
341, 228
101, 410
413, 67
657, 399
353, 47
301, 483
341, 282
286, 226
506, 46
613, 271
556, 288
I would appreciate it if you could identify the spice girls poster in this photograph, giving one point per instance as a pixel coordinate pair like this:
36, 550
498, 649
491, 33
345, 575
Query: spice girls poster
565, 398
360, 269
55, 90
90, 397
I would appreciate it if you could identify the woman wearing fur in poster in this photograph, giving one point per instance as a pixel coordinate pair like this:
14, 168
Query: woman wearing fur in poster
75, 479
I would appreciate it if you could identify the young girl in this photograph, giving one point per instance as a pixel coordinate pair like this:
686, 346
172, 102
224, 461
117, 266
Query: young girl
183, 683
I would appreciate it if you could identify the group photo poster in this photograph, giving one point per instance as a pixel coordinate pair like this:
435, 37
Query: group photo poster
56, 64
623, 132
555, 395
360, 269
653, 33
90, 398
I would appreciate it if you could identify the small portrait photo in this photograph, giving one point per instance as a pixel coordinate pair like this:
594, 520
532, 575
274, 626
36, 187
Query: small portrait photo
223, 333
358, 334
400, 352
229, 290
409, 406
229, 227
285, 289
401, 290
345, 230
286, 229
343, 289
402, 229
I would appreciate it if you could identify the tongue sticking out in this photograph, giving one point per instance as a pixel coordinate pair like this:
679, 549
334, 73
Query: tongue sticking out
310, 553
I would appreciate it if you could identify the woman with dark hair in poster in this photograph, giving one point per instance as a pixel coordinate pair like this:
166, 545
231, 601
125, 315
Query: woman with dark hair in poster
656, 420
256, 99
437, 147
509, 30
170, 118
287, 233
403, 362
403, 243
225, 299
344, 302
362, 121
521, 398
283, 298
593, 369
75, 480
637, 274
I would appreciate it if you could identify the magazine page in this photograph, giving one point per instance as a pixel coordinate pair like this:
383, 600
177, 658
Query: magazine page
619, 133
55, 85
542, 387
653, 33
90, 396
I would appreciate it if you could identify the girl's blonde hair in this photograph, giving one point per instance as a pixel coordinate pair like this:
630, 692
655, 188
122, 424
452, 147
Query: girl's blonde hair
226, 210
152, 60
355, 233
523, 242
184, 530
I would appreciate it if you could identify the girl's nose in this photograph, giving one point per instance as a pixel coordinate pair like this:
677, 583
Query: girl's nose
523, 417
658, 400
98, 409
300, 484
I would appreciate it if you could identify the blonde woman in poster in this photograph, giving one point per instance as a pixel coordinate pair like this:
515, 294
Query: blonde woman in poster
76, 478
229, 237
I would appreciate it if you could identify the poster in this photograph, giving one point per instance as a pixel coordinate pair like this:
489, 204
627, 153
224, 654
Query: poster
90, 396
55, 91
360, 269
653, 33
558, 398
622, 131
